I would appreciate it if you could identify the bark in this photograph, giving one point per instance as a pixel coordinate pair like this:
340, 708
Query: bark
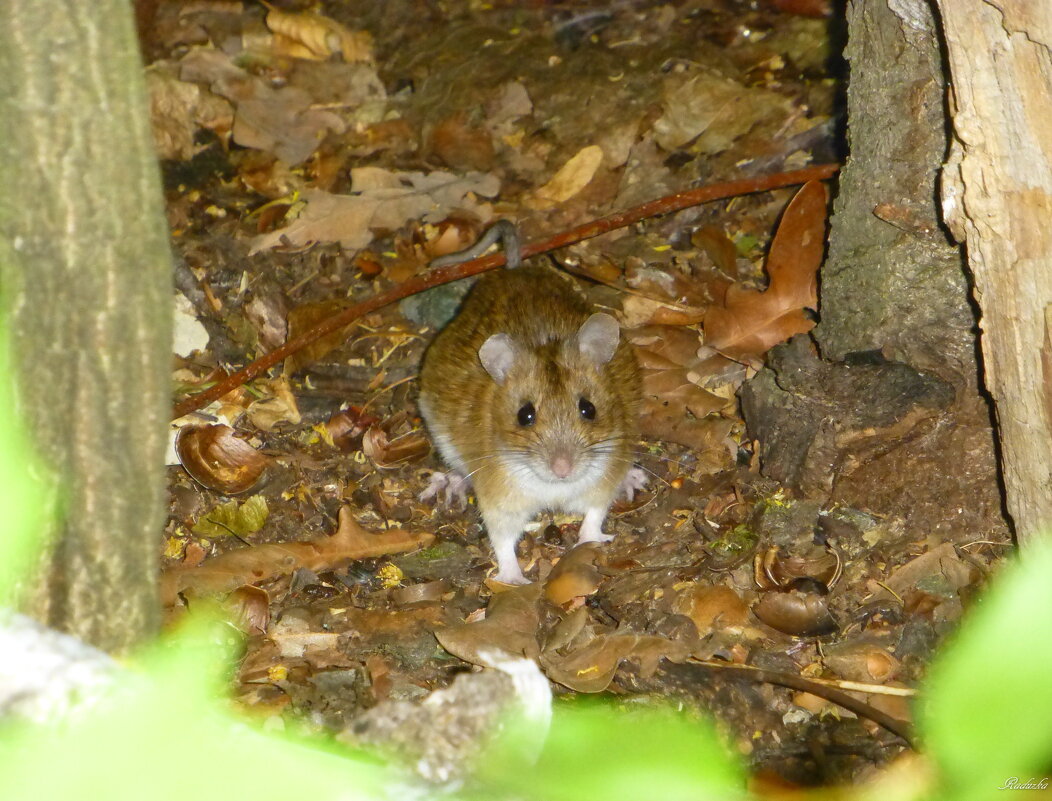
894, 287
997, 197
892, 280
84, 276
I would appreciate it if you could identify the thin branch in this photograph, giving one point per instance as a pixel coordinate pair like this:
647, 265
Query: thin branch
443, 275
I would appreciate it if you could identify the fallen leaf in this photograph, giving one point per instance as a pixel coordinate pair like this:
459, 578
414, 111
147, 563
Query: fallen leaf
319, 36
460, 145
749, 323
574, 576
510, 625
712, 607
280, 407
256, 563
590, 669
382, 200
386, 453
234, 519
571, 178
219, 460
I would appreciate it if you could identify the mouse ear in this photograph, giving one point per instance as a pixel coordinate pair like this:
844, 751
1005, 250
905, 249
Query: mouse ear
598, 337
497, 355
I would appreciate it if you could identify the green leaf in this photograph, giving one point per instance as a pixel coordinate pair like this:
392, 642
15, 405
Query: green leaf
606, 754
987, 711
231, 518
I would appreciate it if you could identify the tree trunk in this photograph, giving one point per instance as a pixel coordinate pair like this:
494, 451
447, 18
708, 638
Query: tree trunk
892, 280
85, 275
997, 197
891, 418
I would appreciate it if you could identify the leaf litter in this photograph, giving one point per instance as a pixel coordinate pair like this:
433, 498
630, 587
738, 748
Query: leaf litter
313, 157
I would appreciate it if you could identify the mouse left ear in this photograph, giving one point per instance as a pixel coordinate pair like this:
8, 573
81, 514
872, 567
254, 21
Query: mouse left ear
598, 337
497, 355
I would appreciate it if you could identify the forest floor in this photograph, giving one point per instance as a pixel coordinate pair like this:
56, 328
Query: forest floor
312, 159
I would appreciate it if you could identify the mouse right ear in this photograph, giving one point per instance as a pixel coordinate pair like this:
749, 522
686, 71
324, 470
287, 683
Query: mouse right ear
497, 355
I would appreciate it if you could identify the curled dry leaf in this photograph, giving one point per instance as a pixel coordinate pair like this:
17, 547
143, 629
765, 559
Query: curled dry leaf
575, 576
801, 614
420, 593
280, 407
386, 454
218, 460
318, 36
749, 323
590, 669
250, 609
347, 427
862, 661
773, 569
228, 571
712, 608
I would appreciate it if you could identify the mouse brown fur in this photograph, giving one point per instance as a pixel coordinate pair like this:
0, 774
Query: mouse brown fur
534, 397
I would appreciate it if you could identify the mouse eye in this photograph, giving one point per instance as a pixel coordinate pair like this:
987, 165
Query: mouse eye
527, 414
587, 410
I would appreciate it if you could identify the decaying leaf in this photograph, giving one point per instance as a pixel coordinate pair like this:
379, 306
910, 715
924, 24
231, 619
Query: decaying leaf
510, 625
571, 178
575, 576
217, 459
712, 607
227, 572
305, 317
386, 453
590, 669
234, 519
279, 407
317, 36
281, 121
383, 200
749, 323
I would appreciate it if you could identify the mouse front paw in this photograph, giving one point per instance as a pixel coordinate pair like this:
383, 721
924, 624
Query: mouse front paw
634, 481
449, 490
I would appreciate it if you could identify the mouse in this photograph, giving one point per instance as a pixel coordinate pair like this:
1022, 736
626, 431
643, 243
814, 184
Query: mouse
531, 396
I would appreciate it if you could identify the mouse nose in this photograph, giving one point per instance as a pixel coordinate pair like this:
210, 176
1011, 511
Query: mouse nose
561, 465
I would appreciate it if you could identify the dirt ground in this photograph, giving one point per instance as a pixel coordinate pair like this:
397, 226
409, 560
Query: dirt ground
314, 158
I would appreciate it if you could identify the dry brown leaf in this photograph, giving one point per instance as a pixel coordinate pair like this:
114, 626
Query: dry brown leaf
571, 178
280, 407
227, 572
861, 661
382, 200
461, 145
510, 625
637, 311
574, 576
281, 121
319, 36
712, 607
749, 323
386, 453
305, 317
217, 459
590, 669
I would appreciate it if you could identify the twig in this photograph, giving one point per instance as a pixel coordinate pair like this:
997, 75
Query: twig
839, 697
443, 275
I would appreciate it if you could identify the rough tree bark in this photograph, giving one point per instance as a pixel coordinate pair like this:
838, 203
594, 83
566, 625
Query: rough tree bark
997, 196
890, 418
84, 282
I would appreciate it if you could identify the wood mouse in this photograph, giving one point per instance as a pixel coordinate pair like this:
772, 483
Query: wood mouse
533, 398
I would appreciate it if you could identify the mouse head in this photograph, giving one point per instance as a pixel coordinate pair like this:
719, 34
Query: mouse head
558, 414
